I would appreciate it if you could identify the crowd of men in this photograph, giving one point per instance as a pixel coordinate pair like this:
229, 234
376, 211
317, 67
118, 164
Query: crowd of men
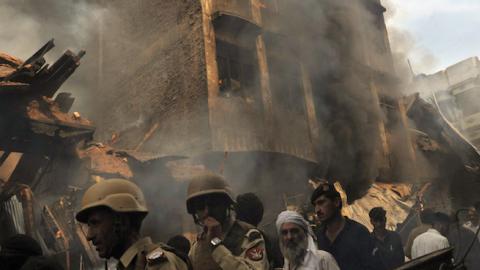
229, 237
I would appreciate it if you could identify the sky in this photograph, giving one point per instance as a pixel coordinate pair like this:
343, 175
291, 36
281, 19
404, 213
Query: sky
434, 34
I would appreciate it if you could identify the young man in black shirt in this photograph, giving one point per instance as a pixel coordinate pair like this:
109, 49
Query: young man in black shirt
388, 243
347, 240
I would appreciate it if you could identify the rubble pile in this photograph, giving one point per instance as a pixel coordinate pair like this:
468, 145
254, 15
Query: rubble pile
396, 199
38, 132
102, 160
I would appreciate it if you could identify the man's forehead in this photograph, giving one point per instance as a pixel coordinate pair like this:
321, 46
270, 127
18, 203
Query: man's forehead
98, 213
290, 225
321, 198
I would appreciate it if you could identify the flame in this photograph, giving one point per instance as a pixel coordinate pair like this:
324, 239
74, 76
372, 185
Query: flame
59, 234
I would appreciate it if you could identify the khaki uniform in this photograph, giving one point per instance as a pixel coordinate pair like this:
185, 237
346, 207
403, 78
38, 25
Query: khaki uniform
242, 249
145, 255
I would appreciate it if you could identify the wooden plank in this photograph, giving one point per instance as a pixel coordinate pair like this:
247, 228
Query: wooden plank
8, 163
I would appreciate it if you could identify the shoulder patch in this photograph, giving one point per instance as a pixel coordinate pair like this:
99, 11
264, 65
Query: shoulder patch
253, 235
255, 253
156, 255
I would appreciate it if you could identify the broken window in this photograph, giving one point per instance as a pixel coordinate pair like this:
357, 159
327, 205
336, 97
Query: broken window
237, 70
468, 101
286, 84
286, 80
390, 110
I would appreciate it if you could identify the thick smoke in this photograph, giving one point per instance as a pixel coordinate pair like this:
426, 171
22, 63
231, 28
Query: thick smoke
409, 57
333, 46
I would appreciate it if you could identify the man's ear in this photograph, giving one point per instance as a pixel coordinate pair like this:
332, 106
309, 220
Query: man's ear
337, 202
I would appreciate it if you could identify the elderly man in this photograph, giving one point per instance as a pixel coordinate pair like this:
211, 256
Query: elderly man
298, 246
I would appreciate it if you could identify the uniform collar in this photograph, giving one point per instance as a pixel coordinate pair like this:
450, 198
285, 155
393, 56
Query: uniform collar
133, 250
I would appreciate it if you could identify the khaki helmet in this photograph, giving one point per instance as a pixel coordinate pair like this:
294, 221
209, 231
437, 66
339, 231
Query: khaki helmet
205, 184
120, 195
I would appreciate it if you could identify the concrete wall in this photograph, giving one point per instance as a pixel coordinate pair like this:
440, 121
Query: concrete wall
161, 88
153, 91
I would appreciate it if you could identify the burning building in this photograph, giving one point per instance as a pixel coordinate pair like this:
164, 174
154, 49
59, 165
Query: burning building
269, 93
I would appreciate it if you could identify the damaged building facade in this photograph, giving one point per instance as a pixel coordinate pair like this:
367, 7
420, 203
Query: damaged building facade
268, 93
456, 90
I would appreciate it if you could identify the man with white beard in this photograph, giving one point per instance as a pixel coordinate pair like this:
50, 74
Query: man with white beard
298, 246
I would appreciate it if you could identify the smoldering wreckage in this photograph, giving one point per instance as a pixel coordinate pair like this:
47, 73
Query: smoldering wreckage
48, 155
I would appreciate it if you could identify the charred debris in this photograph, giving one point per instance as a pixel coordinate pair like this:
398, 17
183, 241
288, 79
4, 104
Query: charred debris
48, 156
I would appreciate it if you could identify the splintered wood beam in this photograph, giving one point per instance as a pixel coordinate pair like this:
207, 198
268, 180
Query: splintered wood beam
4, 156
8, 165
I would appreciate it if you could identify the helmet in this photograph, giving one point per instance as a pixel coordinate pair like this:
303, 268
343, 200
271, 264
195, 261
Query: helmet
206, 184
119, 195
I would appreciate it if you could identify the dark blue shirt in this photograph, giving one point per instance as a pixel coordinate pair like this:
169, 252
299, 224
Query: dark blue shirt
390, 250
353, 248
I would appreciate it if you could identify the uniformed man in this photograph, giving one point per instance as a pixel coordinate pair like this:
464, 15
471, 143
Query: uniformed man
114, 210
224, 243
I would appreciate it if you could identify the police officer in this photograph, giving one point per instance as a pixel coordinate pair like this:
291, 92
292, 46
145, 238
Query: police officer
114, 210
224, 243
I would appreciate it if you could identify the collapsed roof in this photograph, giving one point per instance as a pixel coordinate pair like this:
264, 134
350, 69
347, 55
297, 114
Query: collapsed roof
30, 119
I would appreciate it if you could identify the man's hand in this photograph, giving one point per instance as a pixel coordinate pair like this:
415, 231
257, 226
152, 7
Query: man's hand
213, 228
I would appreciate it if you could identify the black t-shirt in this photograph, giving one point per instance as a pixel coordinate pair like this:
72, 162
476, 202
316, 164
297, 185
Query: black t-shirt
353, 249
41, 263
390, 250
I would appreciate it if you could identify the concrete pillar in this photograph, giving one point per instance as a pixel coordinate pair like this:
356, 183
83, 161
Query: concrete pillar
265, 82
256, 9
312, 120
408, 140
210, 50
211, 65
385, 150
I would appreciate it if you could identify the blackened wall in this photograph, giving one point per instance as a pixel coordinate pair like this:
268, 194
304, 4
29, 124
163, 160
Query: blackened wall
153, 87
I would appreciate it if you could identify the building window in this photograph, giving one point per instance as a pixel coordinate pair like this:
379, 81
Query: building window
468, 101
237, 70
390, 110
286, 84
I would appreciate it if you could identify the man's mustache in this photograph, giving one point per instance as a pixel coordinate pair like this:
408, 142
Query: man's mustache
292, 243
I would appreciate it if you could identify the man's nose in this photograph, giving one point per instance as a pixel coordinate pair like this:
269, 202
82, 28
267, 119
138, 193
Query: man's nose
203, 212
90, 234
